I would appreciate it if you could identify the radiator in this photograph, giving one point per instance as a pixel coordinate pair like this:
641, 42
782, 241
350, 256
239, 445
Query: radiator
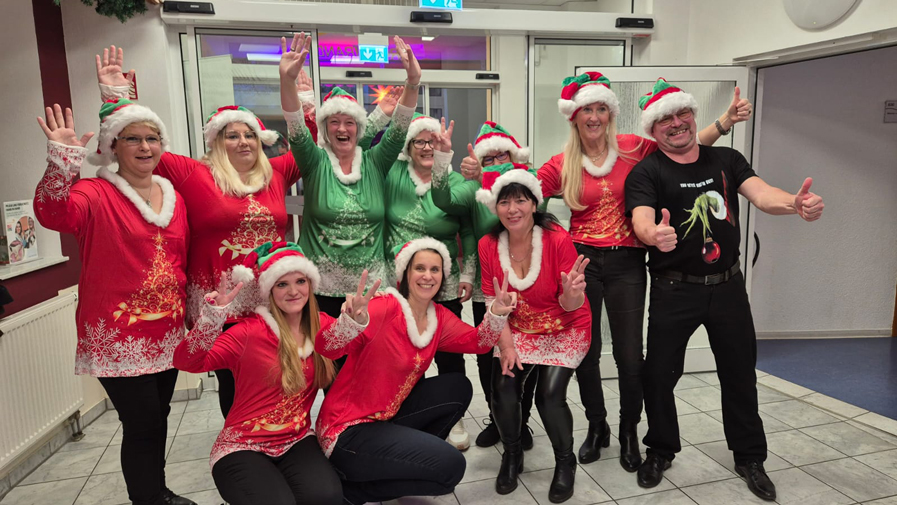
38, 387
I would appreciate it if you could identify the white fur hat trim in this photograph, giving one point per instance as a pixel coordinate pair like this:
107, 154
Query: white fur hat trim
407, 252
488, 197
422, 124
500, 143
340, 105
284, 266
590, 93
665, 106
118, 121
223, 118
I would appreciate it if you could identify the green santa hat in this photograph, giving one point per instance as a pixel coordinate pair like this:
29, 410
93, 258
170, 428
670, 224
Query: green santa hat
419, 123
664, 100
497, 177
340, 102
581, 90
115, 116
271, 261
219, 119
406, 251
494, 137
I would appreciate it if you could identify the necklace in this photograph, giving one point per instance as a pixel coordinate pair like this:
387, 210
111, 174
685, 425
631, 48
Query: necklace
598, 157
520, 260
146, 199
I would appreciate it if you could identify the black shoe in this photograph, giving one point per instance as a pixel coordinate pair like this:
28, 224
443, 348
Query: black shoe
564, 475
489, 436
526, 437
630, 459
651, 472
757, 480
597, 437
511, 467
170, 498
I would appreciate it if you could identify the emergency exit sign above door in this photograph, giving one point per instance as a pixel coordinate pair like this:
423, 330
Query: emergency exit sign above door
445, 5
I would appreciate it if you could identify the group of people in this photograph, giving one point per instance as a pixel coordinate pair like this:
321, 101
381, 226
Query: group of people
170, 244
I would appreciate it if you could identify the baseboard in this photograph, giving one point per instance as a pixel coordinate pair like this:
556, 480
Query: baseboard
776, 335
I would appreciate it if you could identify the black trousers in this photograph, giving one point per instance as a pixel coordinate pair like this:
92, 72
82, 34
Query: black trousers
143, 403
301, 475
485, 363
226, 386
407, 455
676, 310
616, 277
450, 362
551, 400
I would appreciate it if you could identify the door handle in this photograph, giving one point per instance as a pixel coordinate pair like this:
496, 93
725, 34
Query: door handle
756, 249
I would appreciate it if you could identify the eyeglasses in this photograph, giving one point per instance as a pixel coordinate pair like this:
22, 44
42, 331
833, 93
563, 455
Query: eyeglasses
152, 140
235, 136
418, 143
683, 115
501, 158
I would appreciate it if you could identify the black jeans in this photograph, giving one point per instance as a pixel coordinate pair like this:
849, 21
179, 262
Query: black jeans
301, 475
485, 363
450, 362
676, 311
226, 386
618, 278
551, 400
143, 403
407, 455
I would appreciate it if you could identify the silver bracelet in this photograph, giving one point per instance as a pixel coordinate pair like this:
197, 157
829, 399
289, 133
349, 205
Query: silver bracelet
412, 86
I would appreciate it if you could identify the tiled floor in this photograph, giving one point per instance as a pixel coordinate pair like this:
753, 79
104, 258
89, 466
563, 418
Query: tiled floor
822, 451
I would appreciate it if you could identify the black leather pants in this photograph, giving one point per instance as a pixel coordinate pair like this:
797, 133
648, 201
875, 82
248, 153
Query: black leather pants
551, 401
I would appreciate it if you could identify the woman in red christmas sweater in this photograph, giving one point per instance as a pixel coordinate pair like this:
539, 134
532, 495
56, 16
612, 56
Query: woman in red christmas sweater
266, 452
382, 424
234, 196
132, 235
550, 326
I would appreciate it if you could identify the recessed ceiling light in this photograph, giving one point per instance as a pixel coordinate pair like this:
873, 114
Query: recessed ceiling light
427, 39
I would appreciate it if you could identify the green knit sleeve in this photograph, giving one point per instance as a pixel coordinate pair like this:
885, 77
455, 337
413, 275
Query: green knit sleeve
307, 154
377, 120
384, 154
451, 192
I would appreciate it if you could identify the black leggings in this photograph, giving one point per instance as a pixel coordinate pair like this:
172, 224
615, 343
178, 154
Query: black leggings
551, 400
407, 455
143, 403
450, 362
301, 475
226, 386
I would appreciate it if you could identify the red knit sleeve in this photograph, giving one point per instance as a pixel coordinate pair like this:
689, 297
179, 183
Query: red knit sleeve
343, 335
459, 337
564, 254
489, 266
177, 168
550, 175
60, 204
206, 348
286, 165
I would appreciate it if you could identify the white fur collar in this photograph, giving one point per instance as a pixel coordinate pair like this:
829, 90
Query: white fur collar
535, 266
419, 341
605, 167
169, 197
352, 177
307, 348
420, 187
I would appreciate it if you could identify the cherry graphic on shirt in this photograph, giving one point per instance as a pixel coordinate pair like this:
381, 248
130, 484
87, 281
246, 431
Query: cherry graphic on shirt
710, 253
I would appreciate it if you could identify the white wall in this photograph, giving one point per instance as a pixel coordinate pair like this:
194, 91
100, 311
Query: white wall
510, 63
837, 273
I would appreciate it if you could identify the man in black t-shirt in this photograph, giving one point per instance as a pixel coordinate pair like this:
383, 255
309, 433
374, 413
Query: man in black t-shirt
695, 277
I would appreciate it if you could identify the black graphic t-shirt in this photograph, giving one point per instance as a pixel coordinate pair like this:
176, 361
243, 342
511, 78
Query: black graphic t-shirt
702, 198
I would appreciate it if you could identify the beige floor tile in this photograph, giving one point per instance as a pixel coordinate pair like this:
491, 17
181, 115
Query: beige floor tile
585, 492
795, 487
799, 449
692, 467
60, 492
854, 479
848, 439
726, 492
797, 413
483, 493
619, 483
672, 497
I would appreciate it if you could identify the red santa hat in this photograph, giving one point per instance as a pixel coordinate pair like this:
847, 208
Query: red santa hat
405, 252
497, 177
663, 100
271, 261
581, 90
219, 119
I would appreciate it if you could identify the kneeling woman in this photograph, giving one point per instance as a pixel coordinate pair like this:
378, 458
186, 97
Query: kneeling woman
550, 326
266, 452
382, 424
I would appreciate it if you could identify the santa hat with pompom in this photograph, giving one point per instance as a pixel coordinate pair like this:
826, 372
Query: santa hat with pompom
493, 137
219, 119
115, 116
271, 261
340, 102
497, 177
663, 100
581, 90
405, 252
419, 123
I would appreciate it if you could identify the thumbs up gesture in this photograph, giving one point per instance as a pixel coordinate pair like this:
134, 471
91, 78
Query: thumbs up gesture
808, 205
470, 165
740, 109
664, 234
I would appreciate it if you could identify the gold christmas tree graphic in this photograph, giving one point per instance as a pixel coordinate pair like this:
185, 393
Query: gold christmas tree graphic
607, 220
528, 320
256, 227
158, 295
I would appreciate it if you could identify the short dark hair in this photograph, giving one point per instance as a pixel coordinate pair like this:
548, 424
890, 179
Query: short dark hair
542, 219
403, 284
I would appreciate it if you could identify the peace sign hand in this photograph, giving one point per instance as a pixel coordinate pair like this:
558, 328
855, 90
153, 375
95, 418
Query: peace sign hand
109, 68
62, 129
505, 302
291, 60
574, 283
443, 141
220, 298
356, 306
470, 165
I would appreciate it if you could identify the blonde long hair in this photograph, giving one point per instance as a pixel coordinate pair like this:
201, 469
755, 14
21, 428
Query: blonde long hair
292, 376
226, 176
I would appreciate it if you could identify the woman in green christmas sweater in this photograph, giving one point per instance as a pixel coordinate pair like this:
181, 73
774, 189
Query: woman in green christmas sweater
342, 224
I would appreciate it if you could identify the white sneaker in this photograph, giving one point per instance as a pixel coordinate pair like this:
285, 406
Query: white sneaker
459, 437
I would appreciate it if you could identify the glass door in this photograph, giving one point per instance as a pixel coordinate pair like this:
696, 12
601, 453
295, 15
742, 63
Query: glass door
712, 87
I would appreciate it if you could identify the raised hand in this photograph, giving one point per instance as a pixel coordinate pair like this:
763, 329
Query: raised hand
574, 283
291, 60
221, 297
61, 129
356, 306
303, 82
388, 103
109, 68
470, 165
505, 302
409, 61
443, 141
808, 205
740, 109
664, 234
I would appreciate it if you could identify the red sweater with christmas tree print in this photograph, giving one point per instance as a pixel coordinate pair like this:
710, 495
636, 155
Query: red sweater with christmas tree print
131, 292
386, 361
603, 223
544, 333
225, 228
263, 418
